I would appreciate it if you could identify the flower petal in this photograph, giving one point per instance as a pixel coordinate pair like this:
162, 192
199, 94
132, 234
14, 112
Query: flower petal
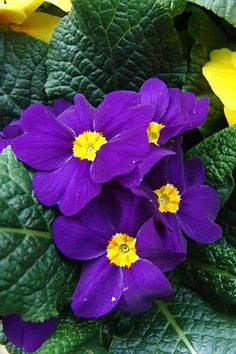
99, 288
198, 207
119, 112
65, 5
119, 155
39, 25
79, 117
79, 238
11, 14
134, 178
28, 6
60, 105
125, 211
155, 92
70, 186
143, 282
220, 72
230, 116
27, 335
151, 247
194, 172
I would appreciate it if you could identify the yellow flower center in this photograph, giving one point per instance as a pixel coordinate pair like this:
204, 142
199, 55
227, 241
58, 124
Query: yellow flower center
153, 131
121, 250
87, 144
168, 198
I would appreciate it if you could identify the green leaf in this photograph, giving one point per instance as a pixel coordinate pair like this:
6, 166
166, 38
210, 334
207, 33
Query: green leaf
35, 280
225, 9
187, 325
70, 335
199, 24
104, 45
22, 73
227, 219
211, 269
218, 153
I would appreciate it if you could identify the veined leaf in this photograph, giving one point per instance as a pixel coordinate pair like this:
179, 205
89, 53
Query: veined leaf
22, 73
104, 45
186, 325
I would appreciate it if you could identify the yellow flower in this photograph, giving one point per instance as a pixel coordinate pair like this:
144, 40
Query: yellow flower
19, 15
220, 72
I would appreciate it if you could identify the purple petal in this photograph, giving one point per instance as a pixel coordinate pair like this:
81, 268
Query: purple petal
4, 143
155, 92
78, 118
125, 211
119, 155
198, 207
27, 335
120, 112
99, 288
198, 115
70, 186
143, 282
13, 129
194, 172
42, 152
151, 247
60, 106
79, 238
134, 178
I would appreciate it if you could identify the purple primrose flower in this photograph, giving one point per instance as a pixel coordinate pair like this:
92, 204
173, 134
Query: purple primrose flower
178, 195
81, 148
27, 335
175, 112
125, 254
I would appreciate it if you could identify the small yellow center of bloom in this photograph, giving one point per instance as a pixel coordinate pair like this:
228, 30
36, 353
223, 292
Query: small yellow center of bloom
121, 250
87, 144
153, 131
168, 198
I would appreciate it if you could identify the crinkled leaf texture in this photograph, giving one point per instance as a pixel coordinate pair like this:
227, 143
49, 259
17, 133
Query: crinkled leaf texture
211, 270
222, 8
104, 45
22, 73
35, 280
218, 153
186, 325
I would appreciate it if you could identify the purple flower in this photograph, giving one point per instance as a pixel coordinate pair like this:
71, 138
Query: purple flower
175, 112
82, 148
27, 335
8, 133
125, 255
178, 195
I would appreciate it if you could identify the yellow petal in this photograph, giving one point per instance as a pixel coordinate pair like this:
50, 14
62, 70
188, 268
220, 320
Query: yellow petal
233, 57
220, 72
29, 6
39, 25
65, 5
10, 14
230, 116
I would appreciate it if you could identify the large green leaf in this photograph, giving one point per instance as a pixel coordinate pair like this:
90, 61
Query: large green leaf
227, 219
199, 24
225, 9
35, 280
22, 73
104, 45
219, 155
187, 325
212, 270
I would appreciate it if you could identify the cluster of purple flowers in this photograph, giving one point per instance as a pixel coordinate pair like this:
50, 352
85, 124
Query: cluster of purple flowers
127, 197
